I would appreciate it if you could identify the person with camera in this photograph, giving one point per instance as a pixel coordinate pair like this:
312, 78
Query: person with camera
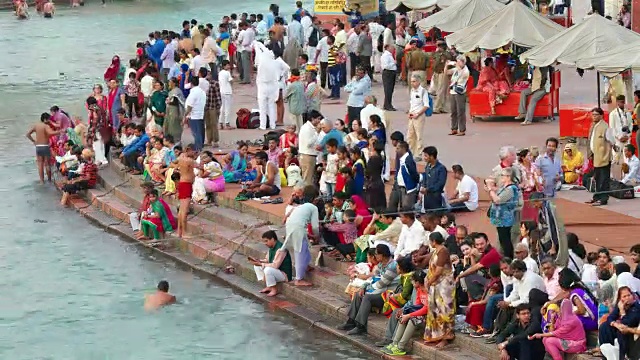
620, 123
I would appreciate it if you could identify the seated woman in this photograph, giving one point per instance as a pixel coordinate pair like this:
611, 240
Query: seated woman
584, 302
371, 295
626, 314
384, 228
475, 310
572, 163
412, 317
491, 83
209, 178
568, 335
155, 160
158, 219
236, 163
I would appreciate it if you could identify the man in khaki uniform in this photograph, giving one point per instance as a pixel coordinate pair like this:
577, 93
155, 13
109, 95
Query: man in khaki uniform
417, 63
440, 78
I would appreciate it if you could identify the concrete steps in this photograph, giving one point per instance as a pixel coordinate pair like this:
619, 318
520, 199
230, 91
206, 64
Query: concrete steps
226, 235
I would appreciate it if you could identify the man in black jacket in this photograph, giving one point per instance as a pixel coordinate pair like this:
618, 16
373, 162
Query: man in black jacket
514, 341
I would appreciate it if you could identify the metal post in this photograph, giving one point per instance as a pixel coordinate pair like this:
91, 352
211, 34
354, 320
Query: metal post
598, 82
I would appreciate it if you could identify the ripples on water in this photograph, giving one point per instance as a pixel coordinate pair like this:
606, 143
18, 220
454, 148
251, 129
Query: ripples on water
70, 290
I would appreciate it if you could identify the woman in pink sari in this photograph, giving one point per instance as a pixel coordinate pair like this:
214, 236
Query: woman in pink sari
568, 337
491, 83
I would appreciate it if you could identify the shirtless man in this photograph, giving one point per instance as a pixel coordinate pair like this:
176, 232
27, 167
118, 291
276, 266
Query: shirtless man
185, 165
43, 152
22, 10
160, 298
48, 9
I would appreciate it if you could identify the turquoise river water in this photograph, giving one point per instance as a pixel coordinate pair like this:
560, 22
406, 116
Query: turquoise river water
70, 290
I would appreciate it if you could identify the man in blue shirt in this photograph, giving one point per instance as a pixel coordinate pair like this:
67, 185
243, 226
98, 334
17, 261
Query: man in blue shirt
331, 133
131, 152
550, 167
433, 180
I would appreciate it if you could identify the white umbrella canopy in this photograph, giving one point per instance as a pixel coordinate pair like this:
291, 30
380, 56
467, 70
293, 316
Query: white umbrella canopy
514, 23
460, 14
594, 35
614, 61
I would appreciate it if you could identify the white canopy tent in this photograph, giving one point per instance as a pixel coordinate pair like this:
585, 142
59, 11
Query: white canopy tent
514, 23
593, 36
614, 61
460, 14
422, 5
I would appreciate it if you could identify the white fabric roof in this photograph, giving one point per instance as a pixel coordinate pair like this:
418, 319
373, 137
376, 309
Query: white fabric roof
593, 36
460, 14
614, 61
514, 23
417, 4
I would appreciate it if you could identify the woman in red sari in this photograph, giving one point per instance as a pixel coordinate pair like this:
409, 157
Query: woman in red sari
492, 82
363, 215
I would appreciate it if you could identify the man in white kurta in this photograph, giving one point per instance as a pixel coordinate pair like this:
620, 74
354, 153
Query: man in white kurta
296, 240
269, 79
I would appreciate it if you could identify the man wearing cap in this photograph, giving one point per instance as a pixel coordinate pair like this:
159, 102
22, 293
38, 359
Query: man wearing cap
417, 62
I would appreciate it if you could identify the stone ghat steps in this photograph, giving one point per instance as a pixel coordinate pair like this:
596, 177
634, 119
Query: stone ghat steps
227, 249
222, 224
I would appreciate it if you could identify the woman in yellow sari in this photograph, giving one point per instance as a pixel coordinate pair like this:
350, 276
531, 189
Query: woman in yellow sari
154, 160
572, 162
442, 287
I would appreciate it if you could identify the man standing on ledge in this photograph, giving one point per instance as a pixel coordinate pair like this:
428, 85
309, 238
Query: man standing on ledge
185, 164
160, 298
601, 141
43, 152
296, 240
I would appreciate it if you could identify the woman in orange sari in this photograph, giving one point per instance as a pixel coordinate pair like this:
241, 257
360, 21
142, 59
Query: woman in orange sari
493, 83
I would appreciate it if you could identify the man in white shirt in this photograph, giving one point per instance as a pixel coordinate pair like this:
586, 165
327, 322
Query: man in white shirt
295, 30
167, 57
620, 123
466, 196
523, 282
307, 141
270, 73
521, 252
246, 38
418, 105
352, 50
194, 113
389, 71
226, 92
197, 61
322, 56
632, 175
369, 109
387, 35
146, 87
210, 52
411, 236
375, 30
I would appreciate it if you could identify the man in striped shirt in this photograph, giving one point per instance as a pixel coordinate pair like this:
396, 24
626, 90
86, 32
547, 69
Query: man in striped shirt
87, 179
335, 76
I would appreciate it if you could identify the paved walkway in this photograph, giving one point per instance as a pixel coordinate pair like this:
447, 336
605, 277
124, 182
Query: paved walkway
477, 153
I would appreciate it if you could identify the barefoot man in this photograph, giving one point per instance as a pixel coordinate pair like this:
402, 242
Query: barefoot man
276, 267
48, 9
43, 152
185, 165
160, 298
296, 239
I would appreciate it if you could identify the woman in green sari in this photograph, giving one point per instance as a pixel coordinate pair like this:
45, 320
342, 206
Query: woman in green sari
175, 111
157, 220
384, 228
236, 163
158, 103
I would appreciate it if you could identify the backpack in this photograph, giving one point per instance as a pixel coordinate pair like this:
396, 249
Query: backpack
313, 38
242, 118
429, 111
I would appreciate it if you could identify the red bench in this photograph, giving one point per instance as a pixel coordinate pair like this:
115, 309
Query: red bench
546, 107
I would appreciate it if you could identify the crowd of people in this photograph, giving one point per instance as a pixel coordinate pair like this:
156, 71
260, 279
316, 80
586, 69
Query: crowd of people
409, 259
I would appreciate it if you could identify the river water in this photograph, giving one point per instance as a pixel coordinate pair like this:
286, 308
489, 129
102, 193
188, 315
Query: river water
70, 290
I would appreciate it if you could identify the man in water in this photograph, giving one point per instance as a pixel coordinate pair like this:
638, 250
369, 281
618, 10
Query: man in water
185, 165
47, 10
22, 10
160, 298
43, 152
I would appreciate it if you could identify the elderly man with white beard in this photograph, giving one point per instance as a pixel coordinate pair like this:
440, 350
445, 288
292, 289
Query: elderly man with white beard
271, 74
